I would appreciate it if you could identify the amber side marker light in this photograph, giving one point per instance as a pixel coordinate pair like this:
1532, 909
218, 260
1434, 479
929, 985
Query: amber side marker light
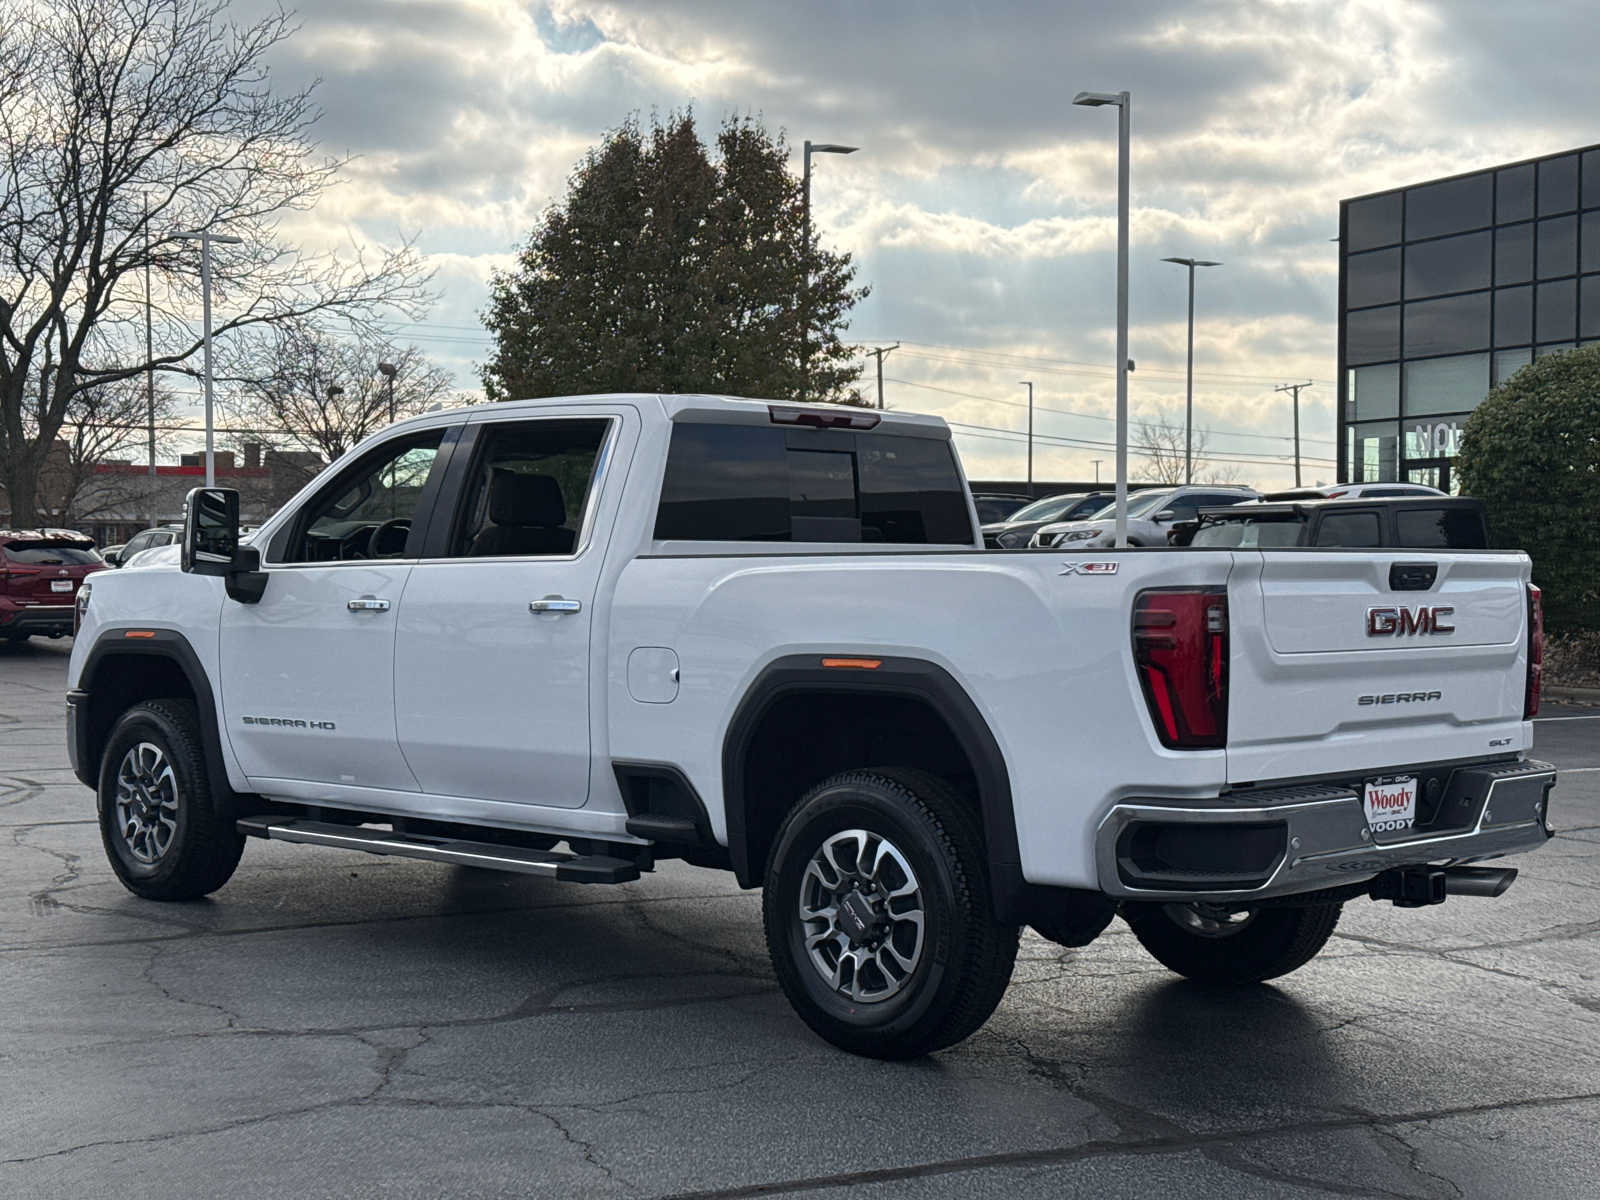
862, 664
139, 633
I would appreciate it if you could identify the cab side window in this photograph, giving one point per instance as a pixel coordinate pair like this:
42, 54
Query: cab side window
366, 512
1353, 530
528, 489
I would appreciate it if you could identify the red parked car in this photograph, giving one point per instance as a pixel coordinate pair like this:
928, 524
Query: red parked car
40, 570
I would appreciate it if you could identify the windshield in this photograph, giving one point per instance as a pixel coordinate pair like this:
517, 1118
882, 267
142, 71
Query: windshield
1047, 509
1246, 532
1141, 505
49, 554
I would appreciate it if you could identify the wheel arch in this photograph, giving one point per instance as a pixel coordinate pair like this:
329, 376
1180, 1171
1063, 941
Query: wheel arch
920, 699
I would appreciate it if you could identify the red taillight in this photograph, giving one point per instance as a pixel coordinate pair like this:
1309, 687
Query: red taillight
1180, 647
1530, 704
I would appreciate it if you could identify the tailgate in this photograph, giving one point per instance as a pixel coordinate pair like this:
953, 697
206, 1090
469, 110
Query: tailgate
1333, 668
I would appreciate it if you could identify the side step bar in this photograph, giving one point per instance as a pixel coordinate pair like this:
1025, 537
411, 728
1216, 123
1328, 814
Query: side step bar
551, 864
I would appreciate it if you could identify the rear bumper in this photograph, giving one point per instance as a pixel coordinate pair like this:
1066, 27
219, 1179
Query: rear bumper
1308, 837
35, 618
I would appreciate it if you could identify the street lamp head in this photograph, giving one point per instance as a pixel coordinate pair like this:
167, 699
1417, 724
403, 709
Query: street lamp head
388, 370
1191, 262
829, 148
1096, 99
200, 235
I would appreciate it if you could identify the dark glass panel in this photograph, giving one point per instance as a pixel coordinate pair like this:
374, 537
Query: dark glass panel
1513, 316
1372, 335
911, 491
1374, 452
1513, 254
1457, 264
1513, 198
1374, 222
1440, 529
1357, 529
1450, 326
1589, 307
1558, 247
1508, 362
1591, 179
1372, 278
1375, 392
1556, 311
1448, 207
725, 483
1589, 242
1446, 385
1558, 185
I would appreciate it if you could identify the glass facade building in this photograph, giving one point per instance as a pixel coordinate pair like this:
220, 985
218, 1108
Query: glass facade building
1447, 288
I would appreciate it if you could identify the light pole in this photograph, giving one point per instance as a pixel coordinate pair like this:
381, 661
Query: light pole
1124, 106
389, 371
205, 237
1295, 388
1097, 462
1188, 392
1028, 383
805, 211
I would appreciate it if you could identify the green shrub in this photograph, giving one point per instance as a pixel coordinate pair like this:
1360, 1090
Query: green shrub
1531, 454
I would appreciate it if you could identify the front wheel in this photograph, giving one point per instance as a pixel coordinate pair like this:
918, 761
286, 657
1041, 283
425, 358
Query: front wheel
158, 816
1210, 944
878, 915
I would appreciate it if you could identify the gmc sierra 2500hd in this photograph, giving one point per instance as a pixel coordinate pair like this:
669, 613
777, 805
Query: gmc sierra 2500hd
575, 637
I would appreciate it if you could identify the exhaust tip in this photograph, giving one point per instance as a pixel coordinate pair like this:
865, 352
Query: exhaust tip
1478, 881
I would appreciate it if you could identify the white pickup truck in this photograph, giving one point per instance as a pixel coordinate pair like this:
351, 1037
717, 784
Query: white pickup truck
575, 637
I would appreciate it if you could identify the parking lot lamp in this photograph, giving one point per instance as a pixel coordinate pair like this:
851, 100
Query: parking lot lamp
805, 218
205, 237
389, 371
1188, 393
1028, 383
1124, 104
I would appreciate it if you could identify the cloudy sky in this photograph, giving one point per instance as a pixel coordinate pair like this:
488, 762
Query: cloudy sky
981, 205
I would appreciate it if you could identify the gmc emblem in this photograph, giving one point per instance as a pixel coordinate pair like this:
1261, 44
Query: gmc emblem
1400, 622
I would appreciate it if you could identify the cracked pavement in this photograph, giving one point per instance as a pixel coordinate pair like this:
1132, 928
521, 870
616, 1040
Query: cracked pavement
334, 1024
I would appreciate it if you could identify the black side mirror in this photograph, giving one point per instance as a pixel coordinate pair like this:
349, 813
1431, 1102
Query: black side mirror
211, 544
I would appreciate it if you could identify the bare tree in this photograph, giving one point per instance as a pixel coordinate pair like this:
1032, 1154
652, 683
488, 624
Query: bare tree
303, 389
1161, 446
103, 423
123, 123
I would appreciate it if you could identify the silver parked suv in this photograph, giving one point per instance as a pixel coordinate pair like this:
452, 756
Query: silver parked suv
1151, 513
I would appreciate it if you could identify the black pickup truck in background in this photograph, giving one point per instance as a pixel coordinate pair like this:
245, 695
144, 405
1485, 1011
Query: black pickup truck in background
1421, 523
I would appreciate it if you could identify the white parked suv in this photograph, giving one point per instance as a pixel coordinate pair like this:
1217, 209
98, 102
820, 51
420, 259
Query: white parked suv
1151, 514
575, 637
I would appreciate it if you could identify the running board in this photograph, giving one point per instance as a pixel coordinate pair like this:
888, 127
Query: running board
551, 864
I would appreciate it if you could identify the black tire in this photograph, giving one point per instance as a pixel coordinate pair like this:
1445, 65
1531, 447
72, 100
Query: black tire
158, 813
1203, 944
962, 963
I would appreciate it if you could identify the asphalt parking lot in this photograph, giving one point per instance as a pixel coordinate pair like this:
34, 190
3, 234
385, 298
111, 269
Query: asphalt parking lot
331, 1024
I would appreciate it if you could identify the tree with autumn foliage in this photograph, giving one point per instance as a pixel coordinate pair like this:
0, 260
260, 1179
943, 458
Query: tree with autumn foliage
665, 270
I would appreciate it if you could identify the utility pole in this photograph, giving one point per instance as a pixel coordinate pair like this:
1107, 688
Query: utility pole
1097, 462
1295, 388
1029, 384
878, 352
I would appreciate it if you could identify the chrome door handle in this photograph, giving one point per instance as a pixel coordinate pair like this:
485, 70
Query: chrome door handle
367, 605
555, 604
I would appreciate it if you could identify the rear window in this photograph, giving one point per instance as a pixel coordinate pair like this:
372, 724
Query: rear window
1249, 533
744, 483
1357, 529
1441, 529
47, 554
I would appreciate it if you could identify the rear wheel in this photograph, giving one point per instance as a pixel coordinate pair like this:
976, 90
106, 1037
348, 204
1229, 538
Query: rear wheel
878, 915
158, 817
1210, 944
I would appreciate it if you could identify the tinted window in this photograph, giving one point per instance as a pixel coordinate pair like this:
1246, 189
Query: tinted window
1376, 392
1372, 335
1246, 533
1556, 312
1558, 185
1591, 179
1457, 264
1590, 308
1446, 385
1049, 510
528, 489
139, 541
1374, 222
747, 483
1448, 207
1348, 529
1514, 194
1513, 316
1591, 242
340, 521
1372, 278
49, 554
1558, 247
1447, 326
996, 508
1513, 254
1440, 529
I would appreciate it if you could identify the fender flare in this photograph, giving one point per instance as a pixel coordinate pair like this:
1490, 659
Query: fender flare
910, 677
113, 642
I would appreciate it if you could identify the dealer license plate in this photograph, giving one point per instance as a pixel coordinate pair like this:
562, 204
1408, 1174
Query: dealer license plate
61, 585
1391, 803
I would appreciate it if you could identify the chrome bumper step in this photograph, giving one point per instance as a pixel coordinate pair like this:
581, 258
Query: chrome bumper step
551, 864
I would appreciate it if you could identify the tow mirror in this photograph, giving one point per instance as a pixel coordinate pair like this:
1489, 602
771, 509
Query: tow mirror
211, 544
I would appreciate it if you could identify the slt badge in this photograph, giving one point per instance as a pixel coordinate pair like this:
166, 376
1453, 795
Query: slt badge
1089, 568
